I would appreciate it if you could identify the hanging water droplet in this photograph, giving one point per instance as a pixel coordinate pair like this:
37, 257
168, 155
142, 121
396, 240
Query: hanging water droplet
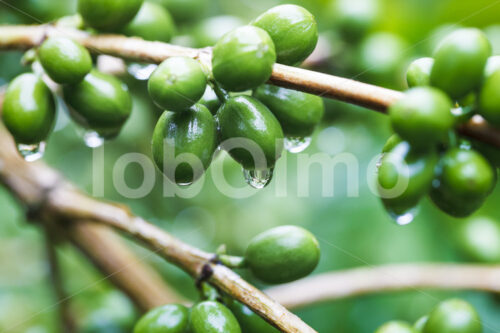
296, 145
33, 152
141, 71
185, 184
92, 139
404, 218
258, 178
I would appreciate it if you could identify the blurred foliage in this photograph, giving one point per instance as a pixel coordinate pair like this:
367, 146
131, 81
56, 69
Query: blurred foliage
353, 231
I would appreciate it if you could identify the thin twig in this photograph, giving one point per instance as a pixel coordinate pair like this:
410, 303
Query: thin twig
136, 49
367, 280
67, 322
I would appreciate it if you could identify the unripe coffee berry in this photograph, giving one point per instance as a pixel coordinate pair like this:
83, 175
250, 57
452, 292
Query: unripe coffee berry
28, 109
283, 254
243, 59
177, 84
64, 60
293, 30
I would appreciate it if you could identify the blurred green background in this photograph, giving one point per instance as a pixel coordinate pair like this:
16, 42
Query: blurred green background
353, 231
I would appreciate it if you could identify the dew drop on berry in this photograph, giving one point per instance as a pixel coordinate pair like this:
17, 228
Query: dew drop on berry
258, 178
32, 152
92, 139
404, 218
296, 145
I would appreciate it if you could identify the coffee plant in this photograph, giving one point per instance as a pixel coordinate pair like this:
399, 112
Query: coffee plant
226, 95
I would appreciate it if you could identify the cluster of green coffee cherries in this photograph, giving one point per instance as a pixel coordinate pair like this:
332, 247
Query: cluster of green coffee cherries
231, 107
426, 155
228, 107
278, 255
450, 316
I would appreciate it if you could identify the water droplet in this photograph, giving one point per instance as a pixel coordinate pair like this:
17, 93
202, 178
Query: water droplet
258, 178
33, 152
296, 145
92, 139
184, 184
141, 71
404, 218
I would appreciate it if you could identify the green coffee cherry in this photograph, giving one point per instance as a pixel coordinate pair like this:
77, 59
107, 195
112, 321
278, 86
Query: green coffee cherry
210, 100
243, 59
459, 62
213, 317
100, 102
354, 18
489, 99
190, 136
185, 11
108, 15
65, 61
171, 318
209, 31
152, 22
422, 117
479, 238
407, 175
453, 316
492, 65
247, 118
420, 323
293, 30
298, 113
396, 327
249, 321
419, 72
465, 179
28, 109
283, 254
177, 84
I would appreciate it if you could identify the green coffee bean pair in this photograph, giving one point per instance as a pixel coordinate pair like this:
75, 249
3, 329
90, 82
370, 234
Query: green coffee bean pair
426, 157
449, 316
204, 317
279, 255
97, 101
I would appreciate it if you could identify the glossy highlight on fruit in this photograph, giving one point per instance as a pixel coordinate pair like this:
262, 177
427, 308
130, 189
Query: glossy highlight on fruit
108, 15
418, 73
459, 62
28, 109
64, 60
170, 318
298, 113
283, 254
243, 59
100, 102
193, 134
404, 177
422, 117
254, 130
453, 316
249, 321
293, 30
153, 22
465, 179
177, 84
396, 327
213, 317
